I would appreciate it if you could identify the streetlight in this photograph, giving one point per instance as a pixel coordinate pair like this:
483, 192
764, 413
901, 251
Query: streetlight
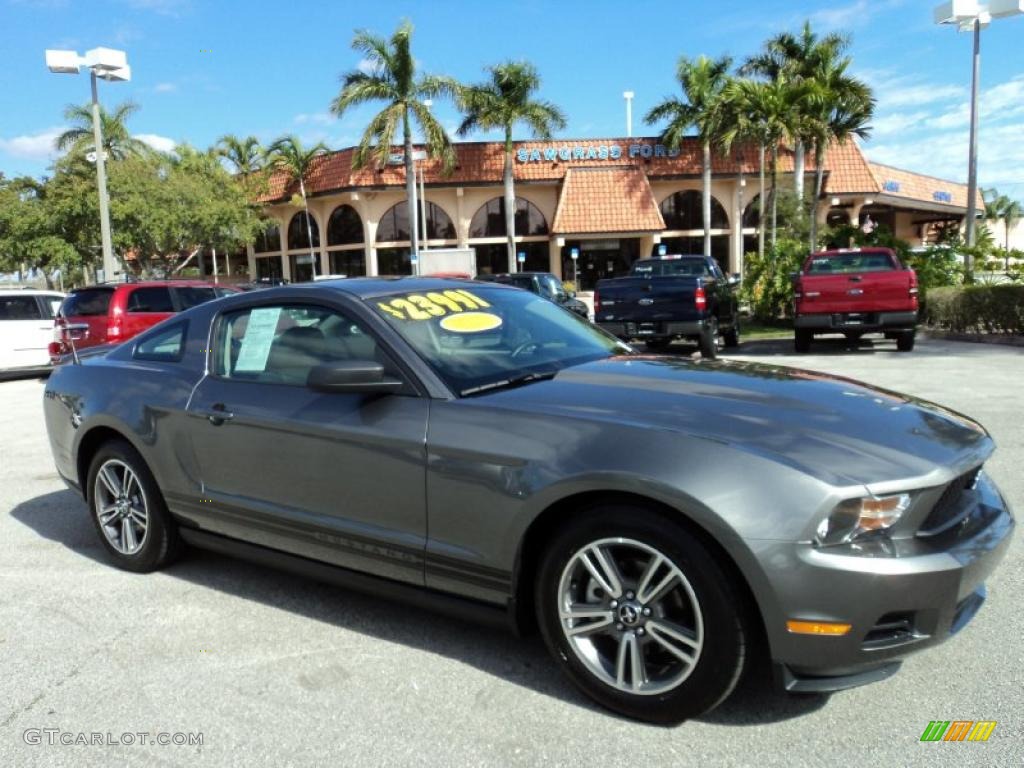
628, 96
110, 65
428, 103
972, 15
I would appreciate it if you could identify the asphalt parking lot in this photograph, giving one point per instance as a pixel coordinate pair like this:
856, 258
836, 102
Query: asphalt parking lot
275, 670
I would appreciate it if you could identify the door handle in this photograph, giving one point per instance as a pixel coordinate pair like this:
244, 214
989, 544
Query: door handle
217, 414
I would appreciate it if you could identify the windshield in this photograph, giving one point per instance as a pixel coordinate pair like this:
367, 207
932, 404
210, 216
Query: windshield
479, 338
693, 267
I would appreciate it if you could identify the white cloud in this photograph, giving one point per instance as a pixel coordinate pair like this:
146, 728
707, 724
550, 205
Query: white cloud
367, 66
897, 122
160, 143
162, 7
314, 118
35, 146
165, 88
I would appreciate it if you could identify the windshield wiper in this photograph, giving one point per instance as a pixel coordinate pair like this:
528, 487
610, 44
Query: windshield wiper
515, 381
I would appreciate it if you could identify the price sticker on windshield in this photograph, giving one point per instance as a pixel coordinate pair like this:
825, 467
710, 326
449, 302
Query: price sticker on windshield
432, 304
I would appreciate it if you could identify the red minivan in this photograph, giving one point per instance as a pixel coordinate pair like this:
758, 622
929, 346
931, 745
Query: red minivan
115, 312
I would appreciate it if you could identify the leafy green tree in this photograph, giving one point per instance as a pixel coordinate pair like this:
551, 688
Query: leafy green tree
1002, 208
245, 155
117, 140
500, 104
703, 108
287, 154
28, 237
393, 77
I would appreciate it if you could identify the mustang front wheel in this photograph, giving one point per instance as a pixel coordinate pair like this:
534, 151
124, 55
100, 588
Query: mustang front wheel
641, 616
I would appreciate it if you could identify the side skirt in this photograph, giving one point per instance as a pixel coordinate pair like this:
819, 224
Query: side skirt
439, 602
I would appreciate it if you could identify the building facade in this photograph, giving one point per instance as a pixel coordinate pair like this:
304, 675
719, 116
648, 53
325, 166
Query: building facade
610, 200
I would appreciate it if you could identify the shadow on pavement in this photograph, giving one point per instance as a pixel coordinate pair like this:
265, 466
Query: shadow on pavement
838, 346
62, 517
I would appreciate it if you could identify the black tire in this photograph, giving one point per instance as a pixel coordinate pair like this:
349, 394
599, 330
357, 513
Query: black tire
905, 341
731, 338
802, 340
658, 345
160, 543
708, 341
719, 662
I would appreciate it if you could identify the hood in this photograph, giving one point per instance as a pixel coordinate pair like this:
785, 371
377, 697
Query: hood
843, 431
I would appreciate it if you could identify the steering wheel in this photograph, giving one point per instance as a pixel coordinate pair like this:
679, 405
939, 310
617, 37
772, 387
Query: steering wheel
522, 348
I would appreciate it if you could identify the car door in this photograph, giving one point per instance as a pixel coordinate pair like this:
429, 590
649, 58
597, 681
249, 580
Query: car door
335, 477
25, 331
146, 306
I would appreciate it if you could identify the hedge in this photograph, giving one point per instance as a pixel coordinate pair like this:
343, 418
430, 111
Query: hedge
977, 308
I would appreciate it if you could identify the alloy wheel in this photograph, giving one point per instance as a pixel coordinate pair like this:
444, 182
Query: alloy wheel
120, 506
630, 616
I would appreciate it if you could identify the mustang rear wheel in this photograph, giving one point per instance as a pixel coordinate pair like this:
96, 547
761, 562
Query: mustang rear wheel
128, 510
640, 615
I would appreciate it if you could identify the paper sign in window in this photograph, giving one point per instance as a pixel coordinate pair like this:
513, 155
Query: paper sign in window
259, 335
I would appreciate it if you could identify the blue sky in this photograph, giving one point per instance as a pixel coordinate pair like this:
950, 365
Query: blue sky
203, 69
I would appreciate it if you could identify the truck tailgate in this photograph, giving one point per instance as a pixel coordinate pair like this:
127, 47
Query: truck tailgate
643, 299
864, 292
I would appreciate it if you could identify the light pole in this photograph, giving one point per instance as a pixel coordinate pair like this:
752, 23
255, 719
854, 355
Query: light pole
628, 96
428, 103
110, 65
974, 16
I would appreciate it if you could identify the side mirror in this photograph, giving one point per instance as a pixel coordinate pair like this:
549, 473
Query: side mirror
353, 376
571, 294
794, 275
735, 278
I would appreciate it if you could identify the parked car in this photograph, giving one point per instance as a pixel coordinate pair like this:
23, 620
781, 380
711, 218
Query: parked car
671, 297
854, 291
116, 312
26, 327
544, 284
474, 448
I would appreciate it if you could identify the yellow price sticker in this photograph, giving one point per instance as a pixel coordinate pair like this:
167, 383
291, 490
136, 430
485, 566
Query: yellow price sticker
427, 306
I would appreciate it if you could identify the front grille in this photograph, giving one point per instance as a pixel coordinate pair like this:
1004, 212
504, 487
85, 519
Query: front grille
891, 629
949, 509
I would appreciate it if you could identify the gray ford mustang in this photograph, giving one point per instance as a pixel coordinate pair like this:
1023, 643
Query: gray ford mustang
478, 448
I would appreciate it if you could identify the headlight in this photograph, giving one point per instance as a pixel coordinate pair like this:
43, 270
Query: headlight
859, 518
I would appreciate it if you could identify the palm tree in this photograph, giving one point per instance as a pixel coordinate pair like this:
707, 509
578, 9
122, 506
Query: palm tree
837, 107
246, 155
501, 103
797, 59
287, 154
392, 77
703, 108
1000, 207
117, 141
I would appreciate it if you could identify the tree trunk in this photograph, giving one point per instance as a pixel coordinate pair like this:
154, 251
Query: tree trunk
309, 226
510, 203
760, 201
819, 180
706, 197
774, 193
798, 174
410, 196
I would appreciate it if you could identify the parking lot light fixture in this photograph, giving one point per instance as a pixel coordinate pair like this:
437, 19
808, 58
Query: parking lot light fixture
106, 64
970, 15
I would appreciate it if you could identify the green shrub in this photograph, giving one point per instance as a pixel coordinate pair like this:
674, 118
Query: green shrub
995, 308
768, 282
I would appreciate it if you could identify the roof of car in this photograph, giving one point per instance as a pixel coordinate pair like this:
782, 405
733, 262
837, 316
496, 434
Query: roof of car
29, 292
148, 284
370, 287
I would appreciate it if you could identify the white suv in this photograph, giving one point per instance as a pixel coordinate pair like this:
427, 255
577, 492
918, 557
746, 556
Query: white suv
26, 329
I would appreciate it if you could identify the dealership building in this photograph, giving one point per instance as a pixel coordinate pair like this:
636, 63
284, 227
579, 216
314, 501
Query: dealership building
610, 201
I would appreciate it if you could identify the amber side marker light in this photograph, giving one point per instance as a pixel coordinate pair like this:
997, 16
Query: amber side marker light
817, 628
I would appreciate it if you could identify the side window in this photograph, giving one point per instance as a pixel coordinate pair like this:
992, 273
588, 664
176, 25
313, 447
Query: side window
19, 308
156, 299
192, 295
166, 346
282, 344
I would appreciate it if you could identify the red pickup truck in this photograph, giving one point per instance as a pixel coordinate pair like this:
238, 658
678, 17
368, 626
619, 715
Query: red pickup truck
854, 291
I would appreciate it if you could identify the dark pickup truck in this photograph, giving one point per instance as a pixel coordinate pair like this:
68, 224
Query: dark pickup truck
668, 298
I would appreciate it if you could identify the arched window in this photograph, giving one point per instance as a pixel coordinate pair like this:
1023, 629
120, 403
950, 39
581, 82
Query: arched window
298, 237
344, 227
682, 211
489, 220
394, 224
269, 240
750, 213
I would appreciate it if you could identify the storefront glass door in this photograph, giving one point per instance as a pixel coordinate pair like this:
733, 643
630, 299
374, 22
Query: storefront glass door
598, 259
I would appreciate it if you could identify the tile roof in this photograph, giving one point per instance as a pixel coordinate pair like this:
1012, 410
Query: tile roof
606, 200
847, 170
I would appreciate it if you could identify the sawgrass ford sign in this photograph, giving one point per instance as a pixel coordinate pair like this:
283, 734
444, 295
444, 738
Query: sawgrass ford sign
593, 152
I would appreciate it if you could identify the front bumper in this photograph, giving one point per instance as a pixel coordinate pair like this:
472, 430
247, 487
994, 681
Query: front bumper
898, 599
654, 329
858, 322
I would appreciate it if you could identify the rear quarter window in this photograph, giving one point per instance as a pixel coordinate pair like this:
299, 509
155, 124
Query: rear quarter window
156, 299
193, 295
19, 308
166, 345
86, 303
